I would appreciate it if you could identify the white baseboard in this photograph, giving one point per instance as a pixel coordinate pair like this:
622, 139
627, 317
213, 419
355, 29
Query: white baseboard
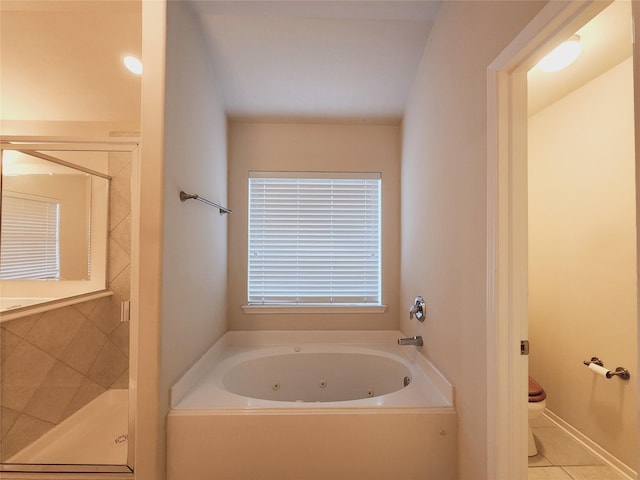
596, 449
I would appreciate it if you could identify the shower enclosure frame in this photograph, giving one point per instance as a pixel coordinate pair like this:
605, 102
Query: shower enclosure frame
122, 144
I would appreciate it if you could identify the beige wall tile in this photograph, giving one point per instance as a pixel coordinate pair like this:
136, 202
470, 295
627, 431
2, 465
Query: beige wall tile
121, 182
21, 326
85, 308
55, 329
22, 374
118, 161
109, 365
8, 342
106, 315
7, 419
25, 430
119, 209
119, 259
51, 400
84, 347
121, 285
122, 234
87, 391
120, 338
122, 381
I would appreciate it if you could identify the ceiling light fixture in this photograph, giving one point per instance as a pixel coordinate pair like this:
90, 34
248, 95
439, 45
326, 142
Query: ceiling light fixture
133, 64
562, 56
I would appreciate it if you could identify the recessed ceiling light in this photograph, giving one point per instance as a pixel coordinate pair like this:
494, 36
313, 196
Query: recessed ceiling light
562, 56
133, 64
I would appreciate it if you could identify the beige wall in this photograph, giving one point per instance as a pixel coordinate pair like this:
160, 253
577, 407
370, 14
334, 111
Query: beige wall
582, 276
444, 205
313, 147
194, 260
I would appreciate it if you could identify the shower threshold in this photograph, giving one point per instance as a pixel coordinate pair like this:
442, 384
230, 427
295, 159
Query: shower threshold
94, 439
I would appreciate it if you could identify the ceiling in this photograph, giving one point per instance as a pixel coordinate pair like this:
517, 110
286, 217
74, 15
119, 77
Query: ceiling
352, 60
61, 60
606, 41
318, 59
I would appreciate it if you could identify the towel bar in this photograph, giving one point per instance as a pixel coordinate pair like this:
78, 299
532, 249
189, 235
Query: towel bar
187, 196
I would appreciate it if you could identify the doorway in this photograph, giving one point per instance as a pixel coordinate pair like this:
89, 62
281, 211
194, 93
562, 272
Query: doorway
581, 252
507, 233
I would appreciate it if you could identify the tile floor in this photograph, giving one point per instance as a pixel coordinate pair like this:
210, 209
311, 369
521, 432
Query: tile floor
561, 457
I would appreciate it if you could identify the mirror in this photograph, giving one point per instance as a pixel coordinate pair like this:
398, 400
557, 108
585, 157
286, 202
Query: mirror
54, 226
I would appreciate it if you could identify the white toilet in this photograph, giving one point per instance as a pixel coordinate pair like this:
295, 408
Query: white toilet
537, 404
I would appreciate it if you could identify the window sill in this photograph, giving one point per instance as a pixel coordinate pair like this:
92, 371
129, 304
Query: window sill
307, 309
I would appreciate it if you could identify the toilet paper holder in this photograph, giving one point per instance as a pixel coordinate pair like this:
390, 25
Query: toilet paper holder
621, 372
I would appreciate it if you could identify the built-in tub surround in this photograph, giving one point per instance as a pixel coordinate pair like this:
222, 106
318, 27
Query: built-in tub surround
312, 405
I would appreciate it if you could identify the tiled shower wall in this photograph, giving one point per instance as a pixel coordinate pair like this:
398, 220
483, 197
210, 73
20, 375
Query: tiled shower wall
54, 363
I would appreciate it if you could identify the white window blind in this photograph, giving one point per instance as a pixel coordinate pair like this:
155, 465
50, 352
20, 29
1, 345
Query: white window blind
314, 239
29, 242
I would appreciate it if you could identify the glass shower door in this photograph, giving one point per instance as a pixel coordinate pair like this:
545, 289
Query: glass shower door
64, 368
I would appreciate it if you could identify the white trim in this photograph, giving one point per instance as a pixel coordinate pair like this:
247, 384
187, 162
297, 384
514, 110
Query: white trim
314, 239
635, 15
45, 307
309, 309
114, 144
507, 231
313, 174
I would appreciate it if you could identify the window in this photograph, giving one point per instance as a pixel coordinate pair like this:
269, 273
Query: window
29, 242
314, 239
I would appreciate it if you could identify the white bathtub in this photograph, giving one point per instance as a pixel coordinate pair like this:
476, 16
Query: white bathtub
312, 405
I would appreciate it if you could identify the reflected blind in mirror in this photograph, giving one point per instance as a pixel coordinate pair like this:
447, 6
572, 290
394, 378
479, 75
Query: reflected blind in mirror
29, 246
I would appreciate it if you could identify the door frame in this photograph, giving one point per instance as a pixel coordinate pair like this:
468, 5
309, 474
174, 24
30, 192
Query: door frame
507, 302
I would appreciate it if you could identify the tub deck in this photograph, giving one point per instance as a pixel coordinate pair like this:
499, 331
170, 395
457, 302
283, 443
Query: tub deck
199, 388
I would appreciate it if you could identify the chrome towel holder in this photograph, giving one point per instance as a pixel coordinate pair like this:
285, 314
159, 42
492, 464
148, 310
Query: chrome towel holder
188, 196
